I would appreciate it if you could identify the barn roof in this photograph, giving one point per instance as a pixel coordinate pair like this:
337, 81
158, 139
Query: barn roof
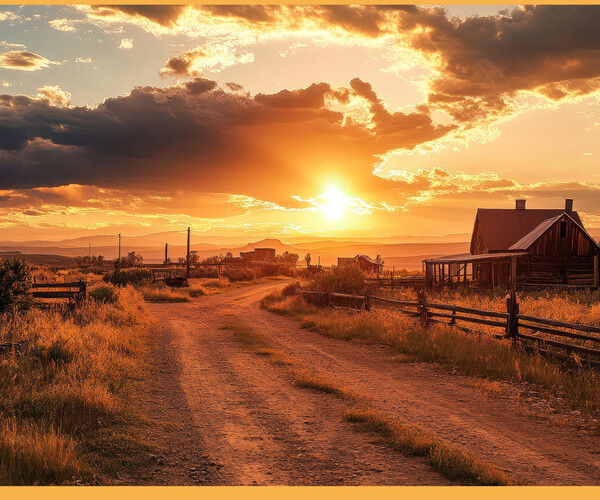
367, 258
530, 238
503, 228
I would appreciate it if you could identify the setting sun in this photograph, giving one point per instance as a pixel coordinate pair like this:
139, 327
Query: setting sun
334, 204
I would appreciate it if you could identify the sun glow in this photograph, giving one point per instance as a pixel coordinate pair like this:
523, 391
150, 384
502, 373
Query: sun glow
335, 203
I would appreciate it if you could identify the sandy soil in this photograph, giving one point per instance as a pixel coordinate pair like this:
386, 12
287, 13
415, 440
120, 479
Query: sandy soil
223, 415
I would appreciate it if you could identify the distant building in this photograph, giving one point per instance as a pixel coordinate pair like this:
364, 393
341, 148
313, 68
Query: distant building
365, 263
264, 254
511, 247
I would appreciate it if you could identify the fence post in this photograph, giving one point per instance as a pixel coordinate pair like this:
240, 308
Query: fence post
422, 308
512, 323
367, 302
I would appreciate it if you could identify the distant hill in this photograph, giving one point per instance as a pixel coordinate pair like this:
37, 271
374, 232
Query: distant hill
398, 251
41, 259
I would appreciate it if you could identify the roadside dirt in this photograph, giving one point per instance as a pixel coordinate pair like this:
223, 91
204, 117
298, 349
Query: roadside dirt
221, 415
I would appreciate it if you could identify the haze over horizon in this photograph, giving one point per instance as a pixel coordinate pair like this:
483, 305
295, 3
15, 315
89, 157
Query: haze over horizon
317, 122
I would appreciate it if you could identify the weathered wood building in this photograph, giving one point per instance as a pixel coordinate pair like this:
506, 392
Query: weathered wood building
520, 247
365, 263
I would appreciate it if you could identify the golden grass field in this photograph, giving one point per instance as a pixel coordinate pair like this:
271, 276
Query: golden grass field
66, 406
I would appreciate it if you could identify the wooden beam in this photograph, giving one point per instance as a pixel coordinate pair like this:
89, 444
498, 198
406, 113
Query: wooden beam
596, 270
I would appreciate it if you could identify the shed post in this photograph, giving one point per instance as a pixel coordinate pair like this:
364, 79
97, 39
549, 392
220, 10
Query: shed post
596, 270
513, 272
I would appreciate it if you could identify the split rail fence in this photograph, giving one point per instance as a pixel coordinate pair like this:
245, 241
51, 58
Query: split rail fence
528, 330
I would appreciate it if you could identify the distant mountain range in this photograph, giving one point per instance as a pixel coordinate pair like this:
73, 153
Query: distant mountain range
400, 251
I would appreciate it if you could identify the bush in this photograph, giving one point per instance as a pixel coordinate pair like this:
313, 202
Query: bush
104, 293
204, 272
266, 270
15, 283
290, 289
344, 279
240, 274
134, 276
55, 353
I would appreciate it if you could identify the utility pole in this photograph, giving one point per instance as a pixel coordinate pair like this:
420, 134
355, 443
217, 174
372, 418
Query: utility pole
90, 250
166, 252
187, 260
119, 248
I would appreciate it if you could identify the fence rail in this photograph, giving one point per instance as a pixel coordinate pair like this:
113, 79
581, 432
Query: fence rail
75, 291
542, 332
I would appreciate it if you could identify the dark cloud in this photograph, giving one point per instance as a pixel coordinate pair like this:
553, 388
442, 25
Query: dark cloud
311, 97
554, 50
200, 86
165, 15
200, 136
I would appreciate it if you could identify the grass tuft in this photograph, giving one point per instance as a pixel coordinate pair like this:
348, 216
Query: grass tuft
163, 295
322, 384
449, 460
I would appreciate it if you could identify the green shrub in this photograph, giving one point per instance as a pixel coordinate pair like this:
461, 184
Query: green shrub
240, 274
344, 279
290, 289
203, 272
55, 353
104, 293
134, 276
15, 283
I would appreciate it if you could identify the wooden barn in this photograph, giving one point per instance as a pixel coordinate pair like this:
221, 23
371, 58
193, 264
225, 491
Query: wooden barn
521, 247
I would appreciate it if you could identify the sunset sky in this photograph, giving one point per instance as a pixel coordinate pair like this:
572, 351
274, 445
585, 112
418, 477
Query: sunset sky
357, 122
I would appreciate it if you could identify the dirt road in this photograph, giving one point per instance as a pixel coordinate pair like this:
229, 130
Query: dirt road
224, 415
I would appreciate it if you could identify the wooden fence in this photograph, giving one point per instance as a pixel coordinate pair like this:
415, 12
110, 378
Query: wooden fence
76, 291
395, 281
541, 332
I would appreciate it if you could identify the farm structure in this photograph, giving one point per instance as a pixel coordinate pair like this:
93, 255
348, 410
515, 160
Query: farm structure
365, 263
519, 248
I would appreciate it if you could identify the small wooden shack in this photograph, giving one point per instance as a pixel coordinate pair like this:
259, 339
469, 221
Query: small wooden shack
520, 247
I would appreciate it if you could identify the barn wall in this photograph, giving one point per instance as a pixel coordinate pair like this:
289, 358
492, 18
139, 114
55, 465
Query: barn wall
556, 270
477, 243
575, 242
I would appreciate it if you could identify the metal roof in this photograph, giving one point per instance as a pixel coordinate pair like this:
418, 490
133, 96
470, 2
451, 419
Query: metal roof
467, 257
530, 238
502, 228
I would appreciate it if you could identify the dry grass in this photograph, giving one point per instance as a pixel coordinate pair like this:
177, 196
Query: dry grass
245, 335
31, 454
321, 383
474, 355
451, 461
163, 294
72, 386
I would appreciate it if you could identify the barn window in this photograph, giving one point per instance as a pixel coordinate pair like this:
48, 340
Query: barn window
563, 228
